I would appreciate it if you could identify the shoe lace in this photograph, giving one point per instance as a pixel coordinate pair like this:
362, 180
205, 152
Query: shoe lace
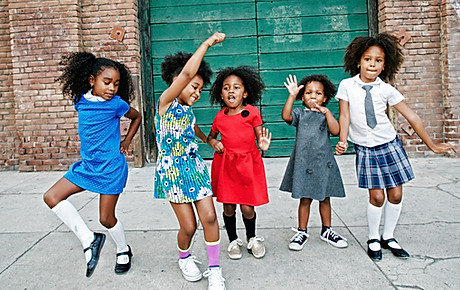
189, 261
214, 276
254, 240
238, 242
330, 234
299, 237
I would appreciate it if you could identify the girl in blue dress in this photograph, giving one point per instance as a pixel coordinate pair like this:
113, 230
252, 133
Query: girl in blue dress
181, 175
101, 90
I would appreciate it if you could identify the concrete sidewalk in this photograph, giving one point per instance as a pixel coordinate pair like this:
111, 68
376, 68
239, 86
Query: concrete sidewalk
39, 252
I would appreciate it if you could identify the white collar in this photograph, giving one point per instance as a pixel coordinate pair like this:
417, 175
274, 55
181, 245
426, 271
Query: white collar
361, 83
90, 97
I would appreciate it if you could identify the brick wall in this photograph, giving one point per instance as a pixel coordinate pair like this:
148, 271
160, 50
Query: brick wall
429, 68
9, 141
45, 126
450, 68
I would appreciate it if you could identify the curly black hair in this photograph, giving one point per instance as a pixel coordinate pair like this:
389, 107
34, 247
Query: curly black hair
253, 84
329, 87
79, 66
394, 56
173, 64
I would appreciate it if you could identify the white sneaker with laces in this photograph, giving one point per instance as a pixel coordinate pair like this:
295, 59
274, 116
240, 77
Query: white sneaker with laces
215, 279
189, 269
234, 249
333, 238
298, 240
256, 247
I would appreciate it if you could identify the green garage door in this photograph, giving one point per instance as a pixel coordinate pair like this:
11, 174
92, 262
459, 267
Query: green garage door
277, 37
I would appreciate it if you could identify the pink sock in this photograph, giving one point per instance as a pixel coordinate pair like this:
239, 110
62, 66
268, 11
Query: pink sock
183, 253
213, 249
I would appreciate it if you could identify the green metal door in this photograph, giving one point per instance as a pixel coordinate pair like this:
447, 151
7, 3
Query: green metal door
277, 37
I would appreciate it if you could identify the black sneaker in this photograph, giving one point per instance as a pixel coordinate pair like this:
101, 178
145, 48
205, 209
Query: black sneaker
333, 238
298, 240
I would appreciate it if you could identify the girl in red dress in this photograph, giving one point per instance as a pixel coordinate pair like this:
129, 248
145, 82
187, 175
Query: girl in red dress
238, 173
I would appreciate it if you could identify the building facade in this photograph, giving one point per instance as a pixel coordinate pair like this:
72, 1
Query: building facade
38, 127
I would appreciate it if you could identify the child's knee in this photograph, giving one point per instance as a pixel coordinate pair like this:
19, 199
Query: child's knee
108, 221
377, 200
189, 229
247, 211
50, 199
210, 219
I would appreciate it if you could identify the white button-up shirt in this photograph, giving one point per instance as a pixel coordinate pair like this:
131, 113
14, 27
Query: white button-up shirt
351, 90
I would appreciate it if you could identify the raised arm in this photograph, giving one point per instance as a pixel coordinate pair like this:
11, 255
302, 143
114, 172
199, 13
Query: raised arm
417, 124
344, 123
291, 85
187, 73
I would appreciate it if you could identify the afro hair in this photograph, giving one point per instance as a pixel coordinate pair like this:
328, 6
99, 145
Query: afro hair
329, 87
253, 84
174, 63
394, 56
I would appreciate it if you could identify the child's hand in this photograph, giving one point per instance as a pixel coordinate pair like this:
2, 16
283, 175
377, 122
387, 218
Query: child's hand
291, 85
124, 145
217, 146
215, 38
264, 139
315, 107
341, 147
443, 148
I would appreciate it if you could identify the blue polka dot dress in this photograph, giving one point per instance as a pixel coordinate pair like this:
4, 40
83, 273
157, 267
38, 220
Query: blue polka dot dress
103, 168
181, 175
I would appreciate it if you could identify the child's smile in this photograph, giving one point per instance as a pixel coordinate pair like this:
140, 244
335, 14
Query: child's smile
106, 83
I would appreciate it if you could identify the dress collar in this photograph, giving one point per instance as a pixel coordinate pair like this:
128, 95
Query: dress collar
90, 97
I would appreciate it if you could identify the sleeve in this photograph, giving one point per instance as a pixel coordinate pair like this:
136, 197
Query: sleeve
257, 119
342, 92
123, 108
295, 117
214, 123
394, 96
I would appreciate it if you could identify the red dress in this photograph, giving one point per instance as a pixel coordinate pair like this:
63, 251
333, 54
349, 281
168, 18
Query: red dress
238, 174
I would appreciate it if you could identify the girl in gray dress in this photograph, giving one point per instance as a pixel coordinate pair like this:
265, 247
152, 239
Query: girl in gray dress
312, 172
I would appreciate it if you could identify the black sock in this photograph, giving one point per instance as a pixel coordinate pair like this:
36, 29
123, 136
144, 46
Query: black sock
250, 225
230, 226
323, 229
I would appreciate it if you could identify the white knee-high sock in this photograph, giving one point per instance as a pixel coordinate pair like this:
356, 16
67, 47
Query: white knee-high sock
117, 233
70, 216
391, 216
374, 214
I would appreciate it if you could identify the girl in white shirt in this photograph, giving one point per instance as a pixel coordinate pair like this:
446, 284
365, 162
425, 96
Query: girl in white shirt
381, 162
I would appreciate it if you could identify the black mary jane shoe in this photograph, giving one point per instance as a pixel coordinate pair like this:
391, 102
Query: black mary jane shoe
123, 268
374, 255
400, 253
95, 248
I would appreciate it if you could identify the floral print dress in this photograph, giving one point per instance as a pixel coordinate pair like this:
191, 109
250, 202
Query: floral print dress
181, 175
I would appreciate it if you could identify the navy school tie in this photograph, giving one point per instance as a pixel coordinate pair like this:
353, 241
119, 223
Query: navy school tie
369, 108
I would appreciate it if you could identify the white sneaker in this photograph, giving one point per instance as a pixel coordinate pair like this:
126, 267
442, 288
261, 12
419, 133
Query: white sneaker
234, 249
189, 269
215, 279
298, 240
256, 247
333, 238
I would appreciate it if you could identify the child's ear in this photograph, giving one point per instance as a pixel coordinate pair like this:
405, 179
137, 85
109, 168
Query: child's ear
92, 80
245, 95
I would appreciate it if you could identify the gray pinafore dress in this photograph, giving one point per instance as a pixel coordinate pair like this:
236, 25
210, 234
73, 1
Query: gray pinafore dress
312, 171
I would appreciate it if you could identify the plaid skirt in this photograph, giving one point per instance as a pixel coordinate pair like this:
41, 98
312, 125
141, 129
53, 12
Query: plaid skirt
383, 166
